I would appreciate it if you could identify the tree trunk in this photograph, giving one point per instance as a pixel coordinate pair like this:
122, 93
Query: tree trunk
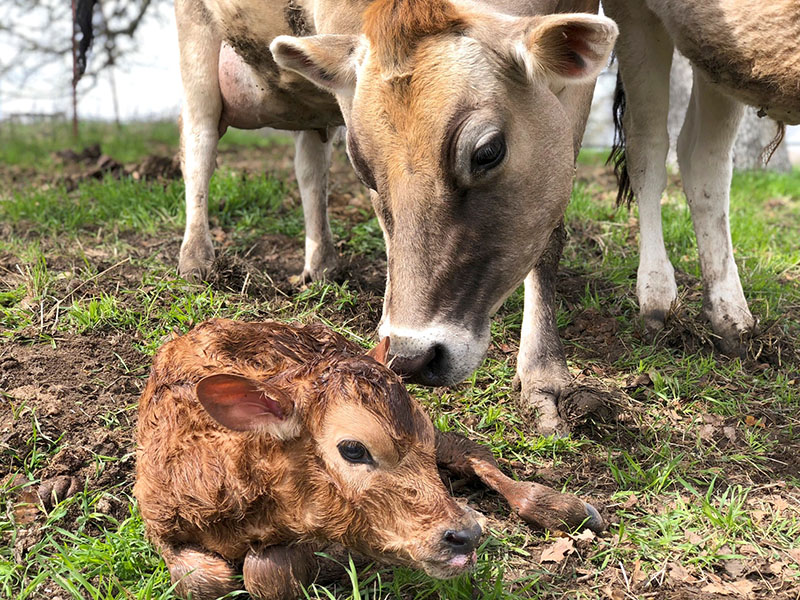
755, 133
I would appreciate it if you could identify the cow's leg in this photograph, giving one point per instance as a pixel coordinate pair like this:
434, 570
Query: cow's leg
199, 60
278, 572
199, 574
538, 505
644, 51
541, 364
312, 163
705, 157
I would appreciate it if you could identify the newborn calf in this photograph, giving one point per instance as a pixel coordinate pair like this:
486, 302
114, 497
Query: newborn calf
259, 443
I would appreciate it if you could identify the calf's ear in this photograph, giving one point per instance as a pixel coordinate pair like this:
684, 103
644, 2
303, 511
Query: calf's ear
326, 60
566, 48
380, 353
244, 404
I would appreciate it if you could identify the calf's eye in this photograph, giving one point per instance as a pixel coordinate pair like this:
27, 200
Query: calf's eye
355, 452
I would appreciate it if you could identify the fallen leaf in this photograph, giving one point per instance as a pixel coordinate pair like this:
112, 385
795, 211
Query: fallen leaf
558, 550
707, 432
680, 574
777, 567
734, 567
613, 594
587, 535
747, 549
695, 538
795, 554
730, 433
631, 501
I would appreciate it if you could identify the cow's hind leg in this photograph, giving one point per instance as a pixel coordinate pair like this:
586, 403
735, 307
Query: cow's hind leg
312, 163
538, 505
278, 572
705, 157
200, 118
199, 574
541, 364
644, 51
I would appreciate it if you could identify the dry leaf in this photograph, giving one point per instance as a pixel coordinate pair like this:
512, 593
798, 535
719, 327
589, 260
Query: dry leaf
558, 550
587, 535
695, 539
631, 501
613, 594
734, 567
730, 433
747, 549
795, 554
680, 574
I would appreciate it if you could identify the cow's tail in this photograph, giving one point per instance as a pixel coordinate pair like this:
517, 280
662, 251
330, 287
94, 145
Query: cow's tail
617, 156
83, 22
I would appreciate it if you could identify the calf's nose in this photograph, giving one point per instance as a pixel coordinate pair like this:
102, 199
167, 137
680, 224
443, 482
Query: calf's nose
463, 541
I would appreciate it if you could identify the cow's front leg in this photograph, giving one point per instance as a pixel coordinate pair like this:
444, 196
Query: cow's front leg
312, 163
200, 119
538, 505
705, 156
278, 572
541, 364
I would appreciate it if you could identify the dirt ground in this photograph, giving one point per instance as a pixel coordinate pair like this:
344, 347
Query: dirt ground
83, 389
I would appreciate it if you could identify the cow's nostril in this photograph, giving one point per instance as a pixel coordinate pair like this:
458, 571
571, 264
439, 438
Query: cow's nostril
464, 541
409, 367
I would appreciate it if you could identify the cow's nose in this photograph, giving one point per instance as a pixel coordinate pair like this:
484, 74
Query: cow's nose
464, 541
415, 368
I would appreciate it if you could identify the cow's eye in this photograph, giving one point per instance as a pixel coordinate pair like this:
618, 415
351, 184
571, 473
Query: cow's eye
355, 452
489, 152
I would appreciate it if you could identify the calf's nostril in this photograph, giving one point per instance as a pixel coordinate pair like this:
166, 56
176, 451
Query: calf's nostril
463, 541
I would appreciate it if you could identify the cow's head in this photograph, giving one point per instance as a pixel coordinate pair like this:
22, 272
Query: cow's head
454, 123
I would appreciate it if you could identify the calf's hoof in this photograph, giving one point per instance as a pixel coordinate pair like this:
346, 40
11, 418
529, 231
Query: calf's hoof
544, 508
200, 575
57, 489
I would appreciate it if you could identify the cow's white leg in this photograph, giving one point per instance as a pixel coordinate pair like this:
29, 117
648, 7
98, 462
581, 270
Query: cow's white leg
644, 51
312, 163
541, 364
200, 118
705, 157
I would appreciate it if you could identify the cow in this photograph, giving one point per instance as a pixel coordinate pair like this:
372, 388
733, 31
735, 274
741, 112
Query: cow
261, 443
742, 52
462, 117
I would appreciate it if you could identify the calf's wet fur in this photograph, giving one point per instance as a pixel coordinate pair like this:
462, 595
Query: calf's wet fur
260, 443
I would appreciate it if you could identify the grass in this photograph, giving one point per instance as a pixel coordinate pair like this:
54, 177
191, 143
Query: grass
695, 471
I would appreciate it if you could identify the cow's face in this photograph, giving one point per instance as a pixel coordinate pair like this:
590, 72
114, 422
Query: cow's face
454, 124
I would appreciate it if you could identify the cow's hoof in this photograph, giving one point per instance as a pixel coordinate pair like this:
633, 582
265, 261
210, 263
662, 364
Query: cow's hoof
653, 321
543, 407
196, 261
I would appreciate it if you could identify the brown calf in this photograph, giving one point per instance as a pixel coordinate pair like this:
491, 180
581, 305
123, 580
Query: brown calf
260, 442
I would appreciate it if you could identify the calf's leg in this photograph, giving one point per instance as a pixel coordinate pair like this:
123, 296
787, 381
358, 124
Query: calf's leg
537, 505
199, 574
200, 118
541, 364
278, 572
312, 163
705, 157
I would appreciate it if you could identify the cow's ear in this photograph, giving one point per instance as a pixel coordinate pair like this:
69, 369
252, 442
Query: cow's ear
245, 404
326, 60
566, 48
380, 353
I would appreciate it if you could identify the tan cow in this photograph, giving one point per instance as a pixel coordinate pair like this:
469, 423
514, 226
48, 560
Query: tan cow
742, 51
463, 118
260, 443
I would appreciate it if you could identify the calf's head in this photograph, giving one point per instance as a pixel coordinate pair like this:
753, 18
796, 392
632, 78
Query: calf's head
362, 455
456, 124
